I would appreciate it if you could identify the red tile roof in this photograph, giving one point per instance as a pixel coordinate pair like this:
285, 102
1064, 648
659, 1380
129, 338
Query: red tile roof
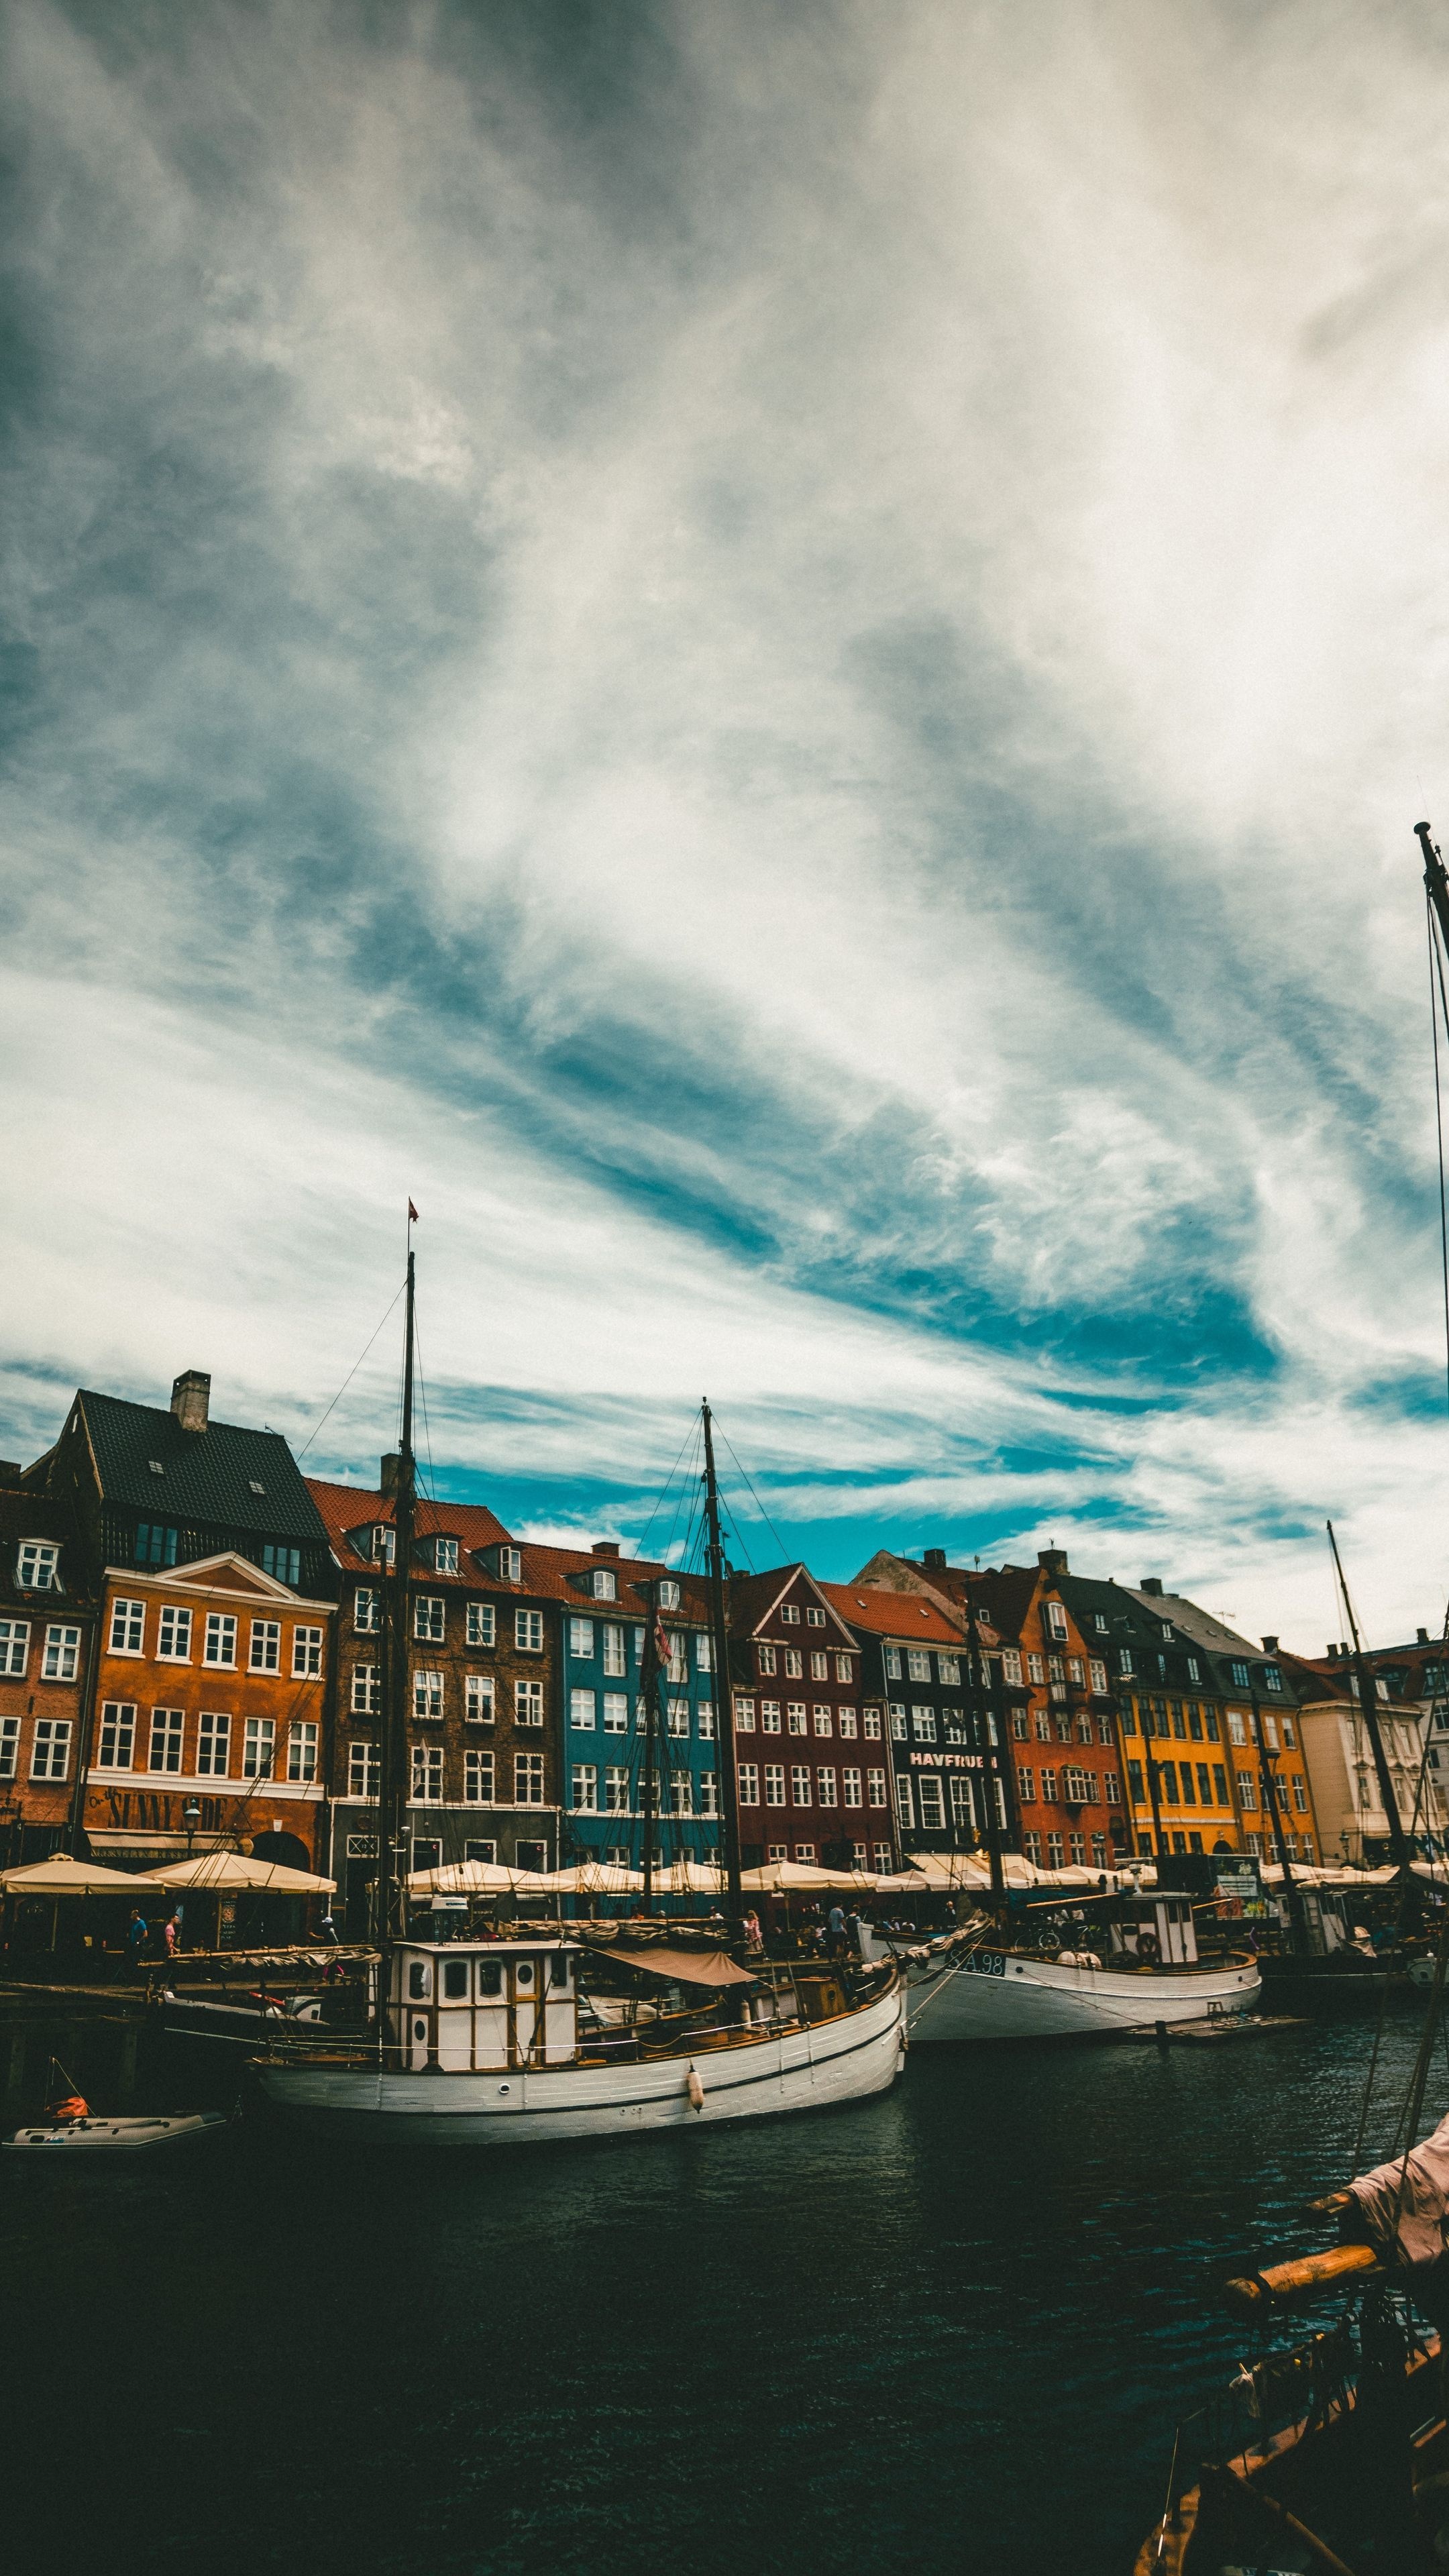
345, 1508
893, 1614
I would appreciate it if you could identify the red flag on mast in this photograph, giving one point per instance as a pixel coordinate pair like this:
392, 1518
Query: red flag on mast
413, 1218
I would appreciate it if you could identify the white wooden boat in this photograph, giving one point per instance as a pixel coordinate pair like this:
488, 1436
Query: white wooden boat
483, 2047
92, 2136
990, 1988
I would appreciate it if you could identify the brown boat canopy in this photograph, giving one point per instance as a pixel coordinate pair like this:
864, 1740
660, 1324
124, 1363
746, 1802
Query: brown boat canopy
685, 1967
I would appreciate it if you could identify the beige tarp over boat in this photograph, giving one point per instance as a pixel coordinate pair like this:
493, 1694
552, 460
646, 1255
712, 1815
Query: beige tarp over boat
686, 1967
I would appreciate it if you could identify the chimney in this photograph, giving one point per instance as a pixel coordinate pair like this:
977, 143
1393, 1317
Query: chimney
389, 1470
191, 1399
933, 1560
1424, 1638
1151, 1583
9, 1471
1270, 1645
605, 1547
1052, 1560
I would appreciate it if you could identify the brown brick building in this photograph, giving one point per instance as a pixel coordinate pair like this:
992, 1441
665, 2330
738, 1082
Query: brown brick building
812, 1754
47, 1638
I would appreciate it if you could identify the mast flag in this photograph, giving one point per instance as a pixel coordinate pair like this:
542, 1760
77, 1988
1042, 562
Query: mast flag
412, 1213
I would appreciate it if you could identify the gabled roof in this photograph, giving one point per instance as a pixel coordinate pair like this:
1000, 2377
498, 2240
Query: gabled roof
910, 1617
552, 1567
209, 1477
1319, 1681
752, 1597
1199, 1625
345, 1508
223, 1572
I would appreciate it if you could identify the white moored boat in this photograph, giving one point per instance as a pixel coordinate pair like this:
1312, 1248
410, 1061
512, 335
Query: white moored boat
984, 1987
492, 2043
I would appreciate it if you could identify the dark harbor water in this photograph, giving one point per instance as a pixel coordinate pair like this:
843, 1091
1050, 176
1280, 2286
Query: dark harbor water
950, 2330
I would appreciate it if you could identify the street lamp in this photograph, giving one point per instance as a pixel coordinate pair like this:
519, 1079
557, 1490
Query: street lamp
191, 1818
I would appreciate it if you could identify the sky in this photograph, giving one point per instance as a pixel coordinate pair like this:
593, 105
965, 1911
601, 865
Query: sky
783, 662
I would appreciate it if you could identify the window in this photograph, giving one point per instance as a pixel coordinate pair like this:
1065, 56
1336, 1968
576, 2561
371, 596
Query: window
302, 1749
155, 1545
932, 1803
528, 1631
118, 1735
477, 1779
615, 1660
366, 1691
1124, 1660
384, 1544
1048, 1786
893, 1666
795, 1713
749, 1784
1077, 1846
825, 1787
173, 1644
366, 1611
605, 1584
923, 1724
949, 1668
703, 1652
481, 1623
616, 1712
427, 1694
306, 1654
581, 1639
284, 1564
1220, 1786
850, 1786
668, 1595
819, 1668
585, 1789
37, 1566
510, 1565
905, 1803
815, 1618
1041, 1727
1290, 1740
220, 1640
1011, 1664
824, 1718
1031, 1845
678, 1667
1247, 1790
1019, 1725
1074, 1668
528, 1706
1237, 1731
1300, 1797
50, 1752
128, 1627
362, 1769
261, 1736
898, 1721
427, 1775
1189, 1793
62, 1655
769, 1716
582, 1710
705, 1714
845, 1719
1270, 1730
1099, 1678
870, 1724
166, 1729
678, 1720
1026, 1784
528, 1779
1035, 1669
680, 1794
875, 1788
800, 1784
266, 1651
1111, 1789
616, 1791
1240, 1676
1056, 1853
790, 1614
774, 1784
765, 1658
845, 1669
1056, 1619
1204, 1783
213, 1744
794, 1664
918, 1665
708, 1793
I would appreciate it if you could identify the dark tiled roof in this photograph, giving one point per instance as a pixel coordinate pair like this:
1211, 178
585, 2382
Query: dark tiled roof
206, 1476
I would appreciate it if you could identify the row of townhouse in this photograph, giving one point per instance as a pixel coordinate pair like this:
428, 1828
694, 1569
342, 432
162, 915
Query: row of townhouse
191, 1640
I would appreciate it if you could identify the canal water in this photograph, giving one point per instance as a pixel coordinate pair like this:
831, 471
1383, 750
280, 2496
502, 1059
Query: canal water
950, 2330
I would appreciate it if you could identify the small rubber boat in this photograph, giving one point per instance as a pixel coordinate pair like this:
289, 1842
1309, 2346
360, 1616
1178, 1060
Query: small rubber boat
122, 2136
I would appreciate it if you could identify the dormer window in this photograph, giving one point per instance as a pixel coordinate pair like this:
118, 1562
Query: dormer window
1124, 1659
604, 1584
1167, 1630
1240, 1676
1272, 1678
1056, 1619
668, 1596
1193, 1673
37, 1566
510, 1565
445, 1556
384, 1543
1101, 1623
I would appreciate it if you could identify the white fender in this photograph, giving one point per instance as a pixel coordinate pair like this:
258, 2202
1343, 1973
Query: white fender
696, 2091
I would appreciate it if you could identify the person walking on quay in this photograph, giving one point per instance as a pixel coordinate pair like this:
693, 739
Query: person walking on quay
136, 1931
754, 1938
837, 1930
171, 1936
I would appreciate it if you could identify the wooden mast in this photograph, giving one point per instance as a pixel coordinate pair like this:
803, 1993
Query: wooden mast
1271, 1786
393, 1727
649, 1785
1368, 1703
724, 1703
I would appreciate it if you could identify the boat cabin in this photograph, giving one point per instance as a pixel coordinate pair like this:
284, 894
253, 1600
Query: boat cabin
1157, 1930
465, 2006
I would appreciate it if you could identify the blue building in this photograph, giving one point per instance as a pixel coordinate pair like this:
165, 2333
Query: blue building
605, 1603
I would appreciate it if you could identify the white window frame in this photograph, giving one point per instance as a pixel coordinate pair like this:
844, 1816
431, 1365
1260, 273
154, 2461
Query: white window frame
430, 1618
528, 1776
14, 1648
429, 1690
583, 1711
9, 1746
220, 1647
479, 1708
61, 1659
445, 1556
616, 1713
478, 1776
116, 1739
259, 1748
213, 1740
37, 1565
364, 1769
307, 1654
366, 1610
50, 1749
425, 1773
302, 1736
527, 1702
128, 1626
581, 1640
264, 1648
173, 1634
167, 1739
528, 1631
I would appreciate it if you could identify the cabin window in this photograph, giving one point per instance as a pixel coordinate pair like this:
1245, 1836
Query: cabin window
455, 1981
558, 1969
490, 1977
524, 1974
419, 1986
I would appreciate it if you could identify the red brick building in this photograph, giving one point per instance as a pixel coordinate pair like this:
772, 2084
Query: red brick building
812, 1754
47, 1643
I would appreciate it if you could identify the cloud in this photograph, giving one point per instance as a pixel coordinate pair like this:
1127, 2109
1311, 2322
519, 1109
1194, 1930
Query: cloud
784, 663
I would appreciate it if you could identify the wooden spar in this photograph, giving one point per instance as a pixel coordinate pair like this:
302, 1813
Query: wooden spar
393, 1721
724, 1699
1270, 1800
1368, 1704
1278, 2284
648, 1787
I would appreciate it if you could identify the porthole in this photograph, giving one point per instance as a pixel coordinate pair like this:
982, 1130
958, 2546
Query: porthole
420, 2030
525, 1972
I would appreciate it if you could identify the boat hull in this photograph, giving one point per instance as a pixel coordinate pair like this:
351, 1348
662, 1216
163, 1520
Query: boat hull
805, 2069
1043, 1999
127, 2137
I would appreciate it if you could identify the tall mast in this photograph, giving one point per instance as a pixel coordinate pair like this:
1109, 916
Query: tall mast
393, 1732
990, 1730
1271, 1786
649, 1785
1368, 1705
724, 1701
1436, 883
